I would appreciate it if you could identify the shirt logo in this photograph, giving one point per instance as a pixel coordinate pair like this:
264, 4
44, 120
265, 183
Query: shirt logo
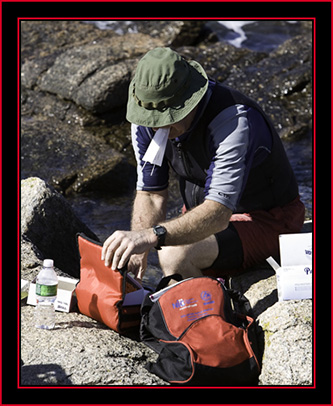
223, 195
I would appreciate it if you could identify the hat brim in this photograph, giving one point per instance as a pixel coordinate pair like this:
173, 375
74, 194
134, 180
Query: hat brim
160, 118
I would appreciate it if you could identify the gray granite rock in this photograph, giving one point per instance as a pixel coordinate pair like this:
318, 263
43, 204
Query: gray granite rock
284, 330
81, 351
288, 351
48, 228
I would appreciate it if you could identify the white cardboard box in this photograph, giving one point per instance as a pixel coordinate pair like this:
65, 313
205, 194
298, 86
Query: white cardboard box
294, 276
65, 295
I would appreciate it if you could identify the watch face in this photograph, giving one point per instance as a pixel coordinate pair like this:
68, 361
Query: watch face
159, 230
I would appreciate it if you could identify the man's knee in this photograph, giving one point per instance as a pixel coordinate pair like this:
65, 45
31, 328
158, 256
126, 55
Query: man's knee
172, 259
181, 259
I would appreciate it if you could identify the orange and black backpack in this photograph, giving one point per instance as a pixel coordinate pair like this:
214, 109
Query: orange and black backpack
202, 332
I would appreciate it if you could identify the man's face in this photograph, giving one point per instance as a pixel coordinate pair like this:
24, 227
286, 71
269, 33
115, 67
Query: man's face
179, 128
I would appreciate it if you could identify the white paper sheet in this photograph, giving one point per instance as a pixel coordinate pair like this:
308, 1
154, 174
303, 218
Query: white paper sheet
156, 149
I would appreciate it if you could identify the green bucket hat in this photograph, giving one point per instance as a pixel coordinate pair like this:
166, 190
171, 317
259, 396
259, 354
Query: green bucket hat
165, 89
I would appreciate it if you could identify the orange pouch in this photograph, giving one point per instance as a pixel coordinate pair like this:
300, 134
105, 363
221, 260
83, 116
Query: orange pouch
101, 292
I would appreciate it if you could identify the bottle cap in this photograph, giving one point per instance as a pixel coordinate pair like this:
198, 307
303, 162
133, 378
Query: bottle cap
48, 263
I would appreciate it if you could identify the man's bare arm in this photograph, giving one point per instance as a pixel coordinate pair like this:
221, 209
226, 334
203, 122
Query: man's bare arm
149, 208
206, 219
195, 225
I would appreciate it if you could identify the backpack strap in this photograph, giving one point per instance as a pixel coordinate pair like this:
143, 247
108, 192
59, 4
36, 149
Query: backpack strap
245, 316
163, 283
241, 303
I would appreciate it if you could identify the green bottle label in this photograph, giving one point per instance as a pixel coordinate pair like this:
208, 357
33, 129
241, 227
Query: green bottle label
46, 290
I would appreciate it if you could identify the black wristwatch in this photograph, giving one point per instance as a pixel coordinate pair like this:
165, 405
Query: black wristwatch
160, 231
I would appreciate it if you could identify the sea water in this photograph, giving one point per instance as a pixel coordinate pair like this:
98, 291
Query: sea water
257, 35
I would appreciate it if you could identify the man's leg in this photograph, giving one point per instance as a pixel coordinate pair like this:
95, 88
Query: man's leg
189, 260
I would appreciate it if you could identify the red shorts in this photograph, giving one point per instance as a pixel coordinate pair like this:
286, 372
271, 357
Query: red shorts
258, 233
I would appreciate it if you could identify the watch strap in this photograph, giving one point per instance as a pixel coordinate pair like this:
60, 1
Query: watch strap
160, 232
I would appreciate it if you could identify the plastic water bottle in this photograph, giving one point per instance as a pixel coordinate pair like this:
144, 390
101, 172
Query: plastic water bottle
46, 294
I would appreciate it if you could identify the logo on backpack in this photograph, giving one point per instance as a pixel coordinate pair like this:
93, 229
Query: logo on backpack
206, 297
184, 303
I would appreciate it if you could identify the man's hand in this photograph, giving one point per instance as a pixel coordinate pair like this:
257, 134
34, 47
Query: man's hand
119, 247
137, 264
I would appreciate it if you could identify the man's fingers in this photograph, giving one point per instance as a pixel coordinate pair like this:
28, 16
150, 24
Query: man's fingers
106, 246
110, 254
110, 246
121, 256
116, 250
137, 265
119, 247
139, 275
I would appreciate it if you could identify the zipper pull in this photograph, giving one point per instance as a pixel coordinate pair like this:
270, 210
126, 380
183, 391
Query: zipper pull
179, 149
